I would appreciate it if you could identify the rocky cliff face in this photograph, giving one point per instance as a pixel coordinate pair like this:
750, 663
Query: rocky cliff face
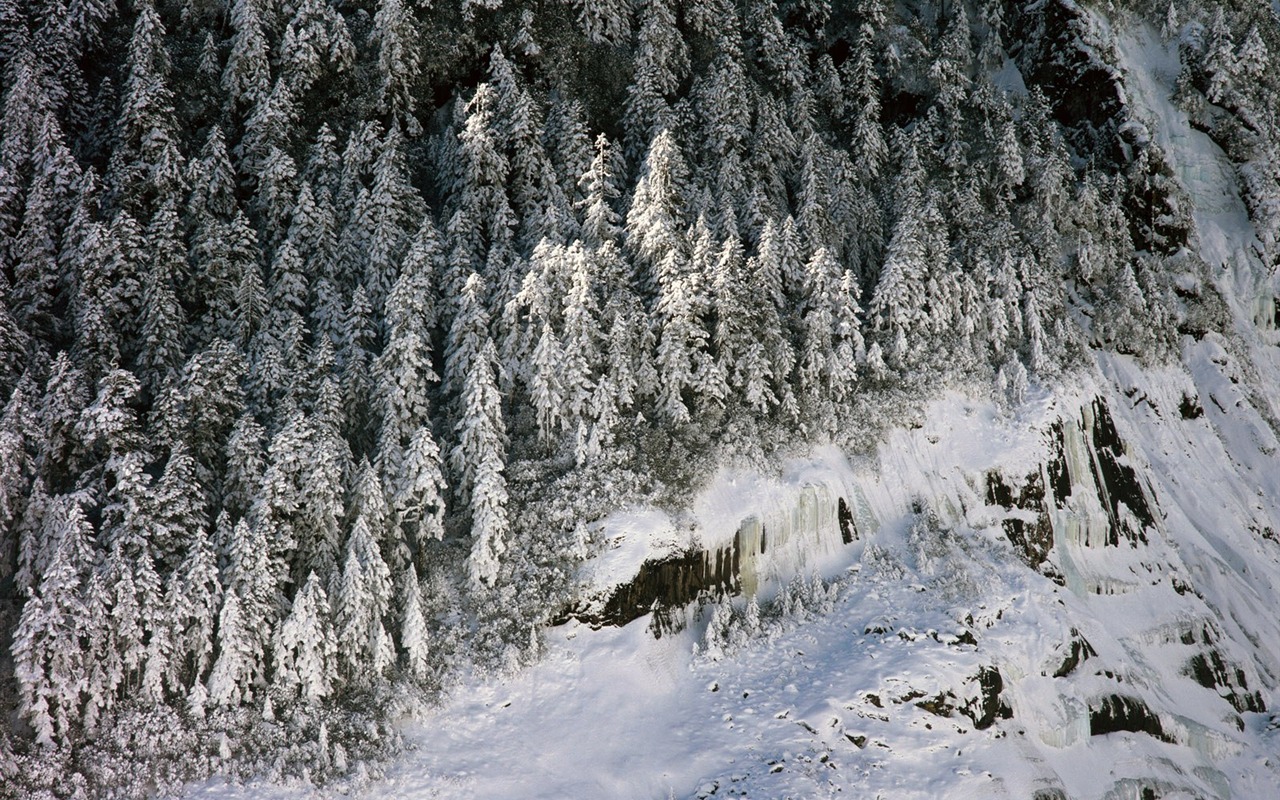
1086, 583
1072, 596
1094, 580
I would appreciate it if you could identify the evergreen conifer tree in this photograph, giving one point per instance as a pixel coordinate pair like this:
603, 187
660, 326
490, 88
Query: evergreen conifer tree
662, 61
305, 650
479, 457
399, 62
414, 636
247, 76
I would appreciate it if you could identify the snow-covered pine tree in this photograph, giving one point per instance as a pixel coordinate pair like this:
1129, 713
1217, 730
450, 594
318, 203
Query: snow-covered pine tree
407, 456
399, 62
537, 198
599, 184
735, 336
662, 61
683, 364
817, 367
316, 43
580, 346
162, 348
305, 650
415, 642
358, 341
546, 389
245, 455
569, 146
606, 22
313, 237
147, 169
420, 489
251, 586
895, 302
1219, 58
181, 508
265, 153
48, 658
96, 307
467, 333
362, 599
16, 486
481, 194
850, 348
34, 252
201, 599
871, 152
389, 217
239, 653
318, 523
479, 457
247, 76
724, 100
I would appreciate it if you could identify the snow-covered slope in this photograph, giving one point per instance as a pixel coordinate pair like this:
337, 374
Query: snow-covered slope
1074, 599
938, 662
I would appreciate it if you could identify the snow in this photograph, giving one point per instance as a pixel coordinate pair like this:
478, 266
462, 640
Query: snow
1226, 239
1151, 67
829, 702
632, 537
1009, 79
618, 713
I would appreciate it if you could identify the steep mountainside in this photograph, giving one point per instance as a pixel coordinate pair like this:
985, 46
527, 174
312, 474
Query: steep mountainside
791, 396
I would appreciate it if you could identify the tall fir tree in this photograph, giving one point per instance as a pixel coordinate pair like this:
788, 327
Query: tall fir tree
479, 457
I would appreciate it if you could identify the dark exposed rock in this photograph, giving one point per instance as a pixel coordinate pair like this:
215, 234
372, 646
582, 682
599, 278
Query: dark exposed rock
1115, 713
1033, 541
1211, 671
669, 583
989, 706
848, 529
1054, 51
942, 705
1056, 466
1117, 482
1190, 407
1078, 651
998, 492
982, 711
664, 586
1157, 206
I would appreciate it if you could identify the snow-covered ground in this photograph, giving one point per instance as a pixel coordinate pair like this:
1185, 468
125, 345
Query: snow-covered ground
865, 695
830, 703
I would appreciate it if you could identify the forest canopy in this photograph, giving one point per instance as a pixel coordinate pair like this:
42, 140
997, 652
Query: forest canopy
330, 328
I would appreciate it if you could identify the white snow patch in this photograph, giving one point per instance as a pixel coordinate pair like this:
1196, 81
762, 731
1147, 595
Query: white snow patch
630, 538
1009, 79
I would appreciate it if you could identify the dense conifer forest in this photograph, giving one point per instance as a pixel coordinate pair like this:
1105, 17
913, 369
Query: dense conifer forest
331, 326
